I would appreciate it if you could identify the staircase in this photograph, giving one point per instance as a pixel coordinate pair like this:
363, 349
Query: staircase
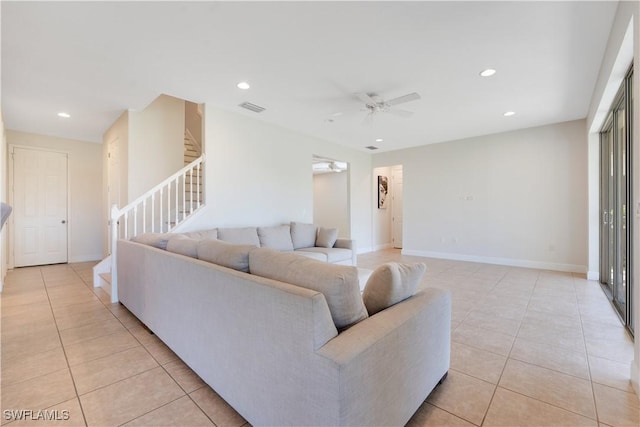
160, 210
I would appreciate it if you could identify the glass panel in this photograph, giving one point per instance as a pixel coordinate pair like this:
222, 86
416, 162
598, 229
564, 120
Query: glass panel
620, 143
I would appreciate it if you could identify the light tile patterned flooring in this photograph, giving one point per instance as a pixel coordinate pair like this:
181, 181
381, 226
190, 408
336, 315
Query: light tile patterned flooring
529, 347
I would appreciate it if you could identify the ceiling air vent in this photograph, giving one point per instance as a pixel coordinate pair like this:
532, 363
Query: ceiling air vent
253, 107
371, 147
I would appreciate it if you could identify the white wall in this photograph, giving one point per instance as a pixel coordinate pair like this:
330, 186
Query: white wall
516, 198
331, 201
3, 197
260, 174
622, 47
85, 190
381, 217
156, 144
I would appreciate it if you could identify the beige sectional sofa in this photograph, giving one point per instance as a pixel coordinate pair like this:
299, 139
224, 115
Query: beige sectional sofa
309, 240
287, 340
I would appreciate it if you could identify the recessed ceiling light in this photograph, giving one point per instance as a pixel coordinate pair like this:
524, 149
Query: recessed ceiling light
243, 85
509, 113
488, 72
379, 140
64, 115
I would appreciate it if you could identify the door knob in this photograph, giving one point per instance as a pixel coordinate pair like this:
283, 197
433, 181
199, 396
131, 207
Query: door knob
64, 222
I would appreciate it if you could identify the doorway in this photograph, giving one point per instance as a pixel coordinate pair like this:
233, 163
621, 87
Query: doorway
331, 198
39, 198
388, 216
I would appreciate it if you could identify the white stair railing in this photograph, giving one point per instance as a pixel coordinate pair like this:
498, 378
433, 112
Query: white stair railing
160, 210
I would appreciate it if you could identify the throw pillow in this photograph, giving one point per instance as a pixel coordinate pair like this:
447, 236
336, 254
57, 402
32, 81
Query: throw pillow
391, 283
338, 283
327, 237
157, 240
225, 254
303, 235
278, 238
183, 245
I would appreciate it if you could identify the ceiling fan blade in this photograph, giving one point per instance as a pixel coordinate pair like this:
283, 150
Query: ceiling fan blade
366, 98
400, 113
402, 99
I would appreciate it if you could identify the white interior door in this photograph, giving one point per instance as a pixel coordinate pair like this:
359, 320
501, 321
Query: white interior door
40, 202
396, 206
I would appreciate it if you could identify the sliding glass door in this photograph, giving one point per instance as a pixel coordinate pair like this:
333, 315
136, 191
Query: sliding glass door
615, 200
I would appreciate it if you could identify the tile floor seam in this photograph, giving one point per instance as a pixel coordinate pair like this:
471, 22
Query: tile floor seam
116, 382
73, 381
504, 367
150, 411
201, 408
548, 403
586, 350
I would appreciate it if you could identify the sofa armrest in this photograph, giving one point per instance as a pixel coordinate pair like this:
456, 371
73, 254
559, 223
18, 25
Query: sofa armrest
348, 244
396, 356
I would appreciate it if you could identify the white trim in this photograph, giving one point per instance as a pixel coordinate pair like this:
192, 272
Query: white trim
382, 247
512, 262
85, 258
635, 374
593, 275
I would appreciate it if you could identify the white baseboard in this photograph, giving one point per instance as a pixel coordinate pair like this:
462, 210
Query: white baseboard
382, 247
511, 262
593, 275
85, 258
635, 376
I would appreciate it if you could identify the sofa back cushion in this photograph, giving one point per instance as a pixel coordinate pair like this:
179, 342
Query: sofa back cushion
225, 254
391, 283
303, 235
202, 234
278, 238
338, 283
157, 240
183, 245
240, 235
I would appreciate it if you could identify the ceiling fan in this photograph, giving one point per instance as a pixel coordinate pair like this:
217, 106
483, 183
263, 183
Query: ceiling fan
375, 104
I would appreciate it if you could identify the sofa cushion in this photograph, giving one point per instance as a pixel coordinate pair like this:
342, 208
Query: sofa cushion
278, 237
303, 235
327, 237
312, 254
391, 283
338, 283
240, 235
330, 254
202, 234
183, 245
157, 240
225, 254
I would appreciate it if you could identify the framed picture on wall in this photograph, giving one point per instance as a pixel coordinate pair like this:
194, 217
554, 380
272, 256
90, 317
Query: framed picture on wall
383, 191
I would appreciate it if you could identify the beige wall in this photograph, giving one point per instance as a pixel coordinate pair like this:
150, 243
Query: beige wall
117, 134
331, 201
516, 198
156, 144
260, 174
85, 189
3, 197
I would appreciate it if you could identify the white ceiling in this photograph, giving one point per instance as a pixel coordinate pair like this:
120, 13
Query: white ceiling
305, 61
